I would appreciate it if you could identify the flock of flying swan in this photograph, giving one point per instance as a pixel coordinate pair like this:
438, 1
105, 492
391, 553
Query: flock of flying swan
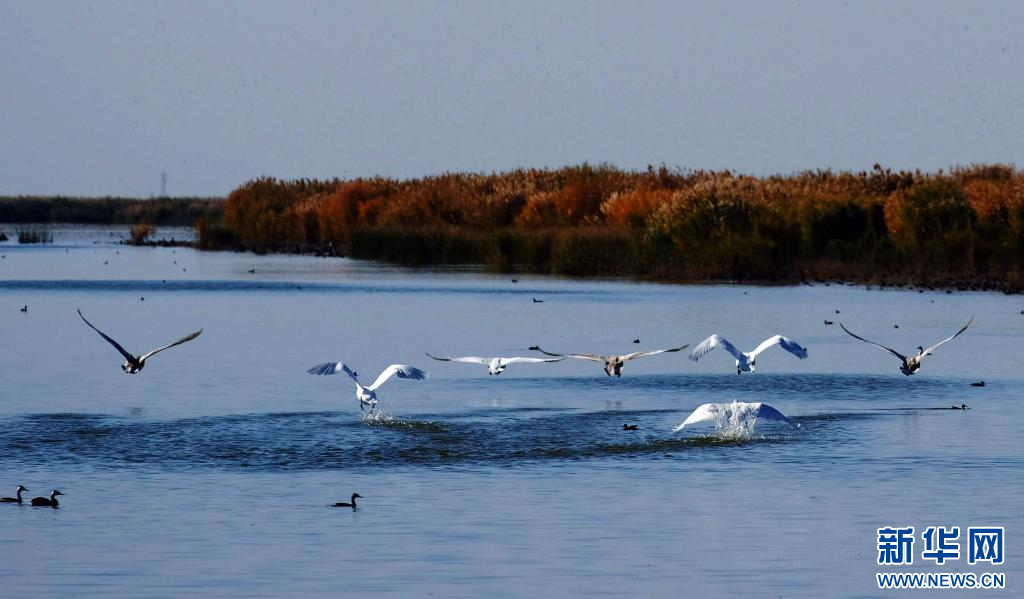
744, 362
735, 413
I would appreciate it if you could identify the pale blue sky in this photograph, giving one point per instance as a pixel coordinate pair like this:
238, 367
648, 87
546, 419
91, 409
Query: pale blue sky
99, 97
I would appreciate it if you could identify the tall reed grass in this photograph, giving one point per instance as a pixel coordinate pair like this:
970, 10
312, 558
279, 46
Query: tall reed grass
34, 236
964, 226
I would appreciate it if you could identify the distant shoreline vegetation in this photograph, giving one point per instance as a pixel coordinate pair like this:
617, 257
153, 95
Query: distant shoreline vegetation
962, 229
167, 212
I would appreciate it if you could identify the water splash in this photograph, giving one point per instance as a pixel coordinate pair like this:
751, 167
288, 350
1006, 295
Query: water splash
333, 440
735, 420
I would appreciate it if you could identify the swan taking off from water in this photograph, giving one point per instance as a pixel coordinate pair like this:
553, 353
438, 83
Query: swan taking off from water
612, 364
496, 365
737, 415
910, 364
747, 361
367, 396
133, 364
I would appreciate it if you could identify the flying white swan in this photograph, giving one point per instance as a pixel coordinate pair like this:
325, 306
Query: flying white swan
735, 415
496, 365
911, 364
612, 364
367, 396
747, 361
133, 364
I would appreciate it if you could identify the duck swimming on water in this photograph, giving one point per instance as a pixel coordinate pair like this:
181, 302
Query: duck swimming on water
17, 499
351, 505
44, 502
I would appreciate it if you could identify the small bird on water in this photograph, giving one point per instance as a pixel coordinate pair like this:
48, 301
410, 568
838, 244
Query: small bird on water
44, 502
17, 499
630, 427
978, 384
351, 505
24, 308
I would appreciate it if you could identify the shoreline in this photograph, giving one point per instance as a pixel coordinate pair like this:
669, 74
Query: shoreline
893, 281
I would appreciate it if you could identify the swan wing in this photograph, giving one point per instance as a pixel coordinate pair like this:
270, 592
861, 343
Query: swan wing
767, 412
947, 340
466, 359
708, 411
531, 360
116, 345
333, 368
188, 337
640, 354
785, 343
591, 357
402, 371
711, 343
888, 349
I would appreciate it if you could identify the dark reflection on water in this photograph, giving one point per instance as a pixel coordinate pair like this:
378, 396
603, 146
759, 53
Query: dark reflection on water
116, 285
327, 440
496, 436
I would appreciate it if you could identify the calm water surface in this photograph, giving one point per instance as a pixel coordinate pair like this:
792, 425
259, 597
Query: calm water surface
209, 472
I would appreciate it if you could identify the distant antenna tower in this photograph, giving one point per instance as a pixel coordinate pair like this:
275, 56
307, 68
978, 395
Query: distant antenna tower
163, 185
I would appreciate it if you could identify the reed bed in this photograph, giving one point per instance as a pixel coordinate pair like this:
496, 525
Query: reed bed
962, 228
26, 236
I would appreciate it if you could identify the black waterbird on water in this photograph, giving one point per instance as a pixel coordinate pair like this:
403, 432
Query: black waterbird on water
44, 502
963, 406
351, 505
17, 499
978, 384
630, 427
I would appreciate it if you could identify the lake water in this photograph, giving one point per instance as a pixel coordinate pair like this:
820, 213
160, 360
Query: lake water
209, 473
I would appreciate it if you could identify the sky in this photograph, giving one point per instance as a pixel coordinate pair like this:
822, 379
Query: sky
100, 98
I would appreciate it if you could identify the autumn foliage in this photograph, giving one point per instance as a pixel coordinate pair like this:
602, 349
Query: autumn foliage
963, 225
